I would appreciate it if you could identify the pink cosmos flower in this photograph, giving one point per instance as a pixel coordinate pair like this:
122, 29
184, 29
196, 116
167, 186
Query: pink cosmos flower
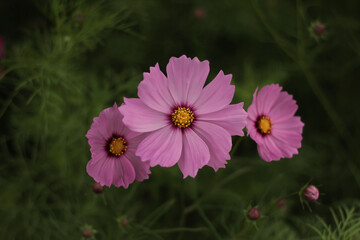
272, 124
187, 124
113, 160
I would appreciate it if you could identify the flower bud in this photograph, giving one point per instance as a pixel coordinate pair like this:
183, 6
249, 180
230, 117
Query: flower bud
97, 188
253, 214
87, 232
311, 193
199, 13
281, 203
319, 29
124, 222
79, 17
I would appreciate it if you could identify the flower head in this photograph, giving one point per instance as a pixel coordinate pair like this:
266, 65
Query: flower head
272, 124
317, 30
199, 13
88, 232
253, 214
311, 193
113, 160
97, 188
187, 124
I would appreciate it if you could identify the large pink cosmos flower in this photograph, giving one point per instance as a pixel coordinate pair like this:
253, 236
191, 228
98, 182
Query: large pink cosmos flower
187, 124
113, 160
272, 124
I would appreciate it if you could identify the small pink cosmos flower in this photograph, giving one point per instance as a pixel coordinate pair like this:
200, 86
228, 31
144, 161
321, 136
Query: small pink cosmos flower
113, 160
272, 124
188, 124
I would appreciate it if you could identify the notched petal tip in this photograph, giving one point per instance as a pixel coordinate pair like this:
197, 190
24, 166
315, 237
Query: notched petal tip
115, 106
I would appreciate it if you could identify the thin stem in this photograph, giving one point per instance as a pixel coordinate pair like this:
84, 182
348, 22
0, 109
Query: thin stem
236, 146
302, 62
211, 226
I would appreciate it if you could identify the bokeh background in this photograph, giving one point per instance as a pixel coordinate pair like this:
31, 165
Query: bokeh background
67, 60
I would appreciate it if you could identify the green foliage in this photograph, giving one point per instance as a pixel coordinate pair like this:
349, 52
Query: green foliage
346, 227
67, 60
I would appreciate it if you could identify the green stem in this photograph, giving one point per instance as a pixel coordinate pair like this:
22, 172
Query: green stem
302, 62
236, 146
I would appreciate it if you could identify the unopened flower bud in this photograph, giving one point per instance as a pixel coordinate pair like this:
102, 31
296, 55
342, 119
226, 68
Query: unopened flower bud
87, 233
311, 193
319, 29
254, 214
199, 13
79, 17
281, 203
97, 188
124, 222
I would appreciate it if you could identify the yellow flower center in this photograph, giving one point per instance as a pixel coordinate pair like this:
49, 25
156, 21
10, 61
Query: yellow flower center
117, 146
182, 117
264, 125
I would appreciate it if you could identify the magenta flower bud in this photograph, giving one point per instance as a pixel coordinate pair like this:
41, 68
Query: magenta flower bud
319, 29
311, 193
124, 222
97, 188
79, 17
254, 214
281, 203
199, 13
87, 232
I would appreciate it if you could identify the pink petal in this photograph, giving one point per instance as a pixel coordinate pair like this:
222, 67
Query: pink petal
123, 172
272, 148
283, 142
232, 118
218, 141
195, 154
140, 118
142, 169
99, 128
284, 107
266, 154
114, 119
290, 138
186, 78
162, 147
95, 133
216, 95
97, 146
267, 97
289, 124
253, 132
252, 109
154, 91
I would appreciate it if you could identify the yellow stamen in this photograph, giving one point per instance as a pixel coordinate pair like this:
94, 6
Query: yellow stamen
182, 117
264, 125
117, 146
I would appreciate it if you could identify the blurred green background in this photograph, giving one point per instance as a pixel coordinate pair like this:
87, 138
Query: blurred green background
67, 60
